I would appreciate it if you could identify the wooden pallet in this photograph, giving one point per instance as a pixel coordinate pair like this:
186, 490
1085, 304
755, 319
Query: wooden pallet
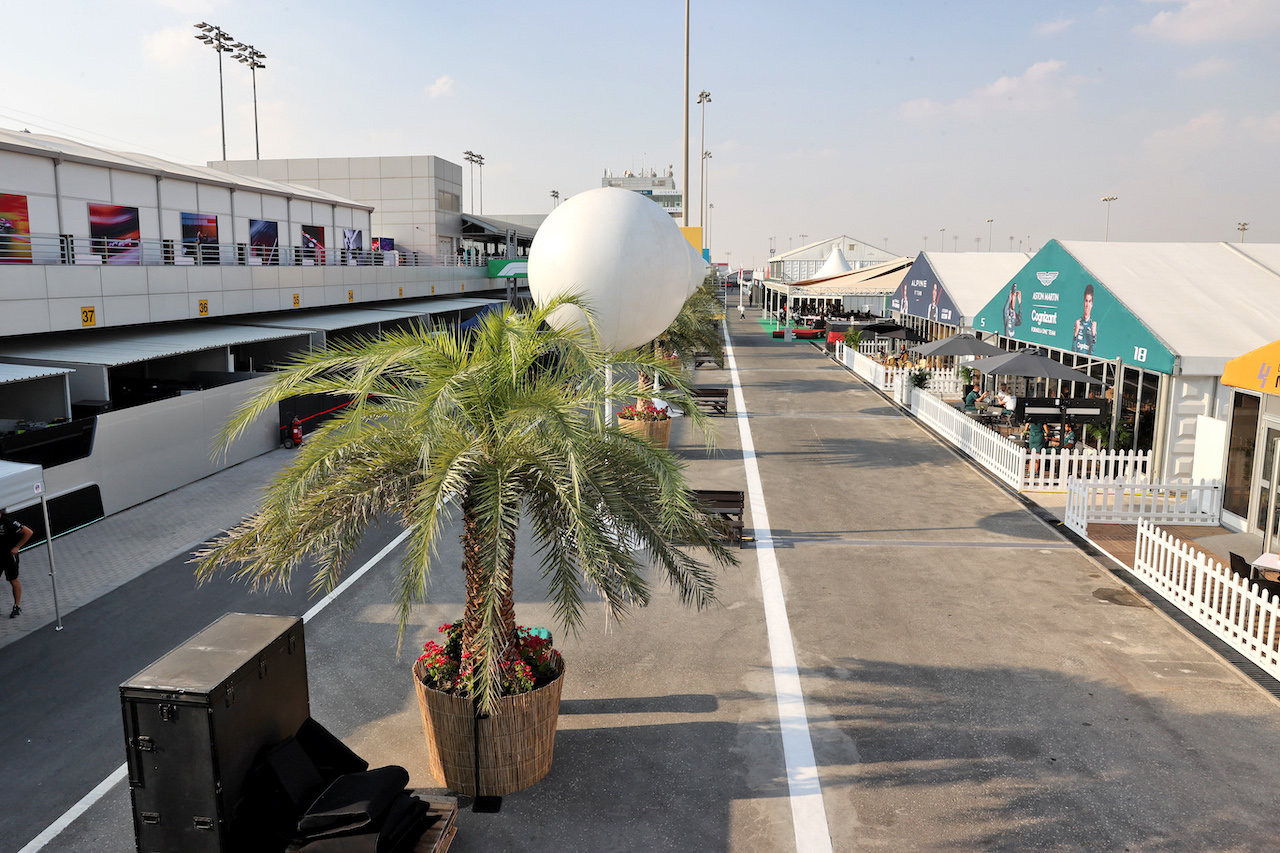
440, 835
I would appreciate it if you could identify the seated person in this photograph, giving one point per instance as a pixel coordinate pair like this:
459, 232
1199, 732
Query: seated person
975, 400
1068, 437
1006, 400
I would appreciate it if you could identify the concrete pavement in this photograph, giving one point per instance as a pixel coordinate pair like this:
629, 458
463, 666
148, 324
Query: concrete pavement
973, 681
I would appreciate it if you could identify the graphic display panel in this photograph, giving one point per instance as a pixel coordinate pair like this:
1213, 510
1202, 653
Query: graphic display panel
313, 245
264, 240
15, 230
200, 237
116, 234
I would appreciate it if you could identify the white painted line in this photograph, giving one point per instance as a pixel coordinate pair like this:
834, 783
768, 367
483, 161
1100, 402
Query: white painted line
353, 577
70, 815
808, 813
122, 772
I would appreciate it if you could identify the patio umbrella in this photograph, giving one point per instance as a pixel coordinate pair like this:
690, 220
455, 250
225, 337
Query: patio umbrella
958, 345
904, 335
1032, 363
882, 326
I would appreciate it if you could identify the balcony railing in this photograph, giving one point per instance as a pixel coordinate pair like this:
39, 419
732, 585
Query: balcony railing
74, 250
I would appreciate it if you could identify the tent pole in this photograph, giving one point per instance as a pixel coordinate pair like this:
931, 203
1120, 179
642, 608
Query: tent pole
1271, 497
53, 579
1116, 390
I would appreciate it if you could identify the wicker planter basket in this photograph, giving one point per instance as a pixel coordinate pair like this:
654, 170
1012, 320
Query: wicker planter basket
658, 432
516, 742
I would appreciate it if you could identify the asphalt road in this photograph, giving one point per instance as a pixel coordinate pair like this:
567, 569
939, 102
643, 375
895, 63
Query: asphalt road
973, 682
61, 731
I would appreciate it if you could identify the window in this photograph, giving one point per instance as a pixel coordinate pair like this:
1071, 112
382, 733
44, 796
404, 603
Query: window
450, 201
1244, 428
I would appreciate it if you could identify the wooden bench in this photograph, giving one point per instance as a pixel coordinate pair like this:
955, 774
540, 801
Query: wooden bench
714, 401
729, 505
700, 358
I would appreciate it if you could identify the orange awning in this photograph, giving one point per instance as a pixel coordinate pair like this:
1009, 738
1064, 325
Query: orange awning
1255, 371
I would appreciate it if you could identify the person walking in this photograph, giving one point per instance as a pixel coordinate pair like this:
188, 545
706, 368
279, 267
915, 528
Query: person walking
13, 535
742, 311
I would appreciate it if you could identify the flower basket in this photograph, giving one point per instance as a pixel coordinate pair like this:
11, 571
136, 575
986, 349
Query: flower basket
516, 742
658, 433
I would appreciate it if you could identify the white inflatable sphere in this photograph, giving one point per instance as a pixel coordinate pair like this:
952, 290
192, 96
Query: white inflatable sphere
624, 255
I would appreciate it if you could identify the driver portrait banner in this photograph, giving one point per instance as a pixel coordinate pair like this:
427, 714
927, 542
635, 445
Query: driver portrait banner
1054, 302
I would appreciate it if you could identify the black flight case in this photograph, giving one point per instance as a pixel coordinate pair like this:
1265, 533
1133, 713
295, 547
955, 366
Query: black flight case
195, 720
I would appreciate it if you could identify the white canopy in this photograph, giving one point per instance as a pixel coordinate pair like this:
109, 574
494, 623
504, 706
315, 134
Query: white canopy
835, 265
1208, 302
20, 484
23, 372
115, 347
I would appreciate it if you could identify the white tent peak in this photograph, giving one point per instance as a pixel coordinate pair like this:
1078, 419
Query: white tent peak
835, 264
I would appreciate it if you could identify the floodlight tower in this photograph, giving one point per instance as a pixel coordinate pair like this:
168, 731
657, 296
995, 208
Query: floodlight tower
472, 158
252, 57
1242, 227
221, 41
1106, 235
704, 98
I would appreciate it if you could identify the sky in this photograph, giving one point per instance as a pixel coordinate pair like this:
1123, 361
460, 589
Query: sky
889, 122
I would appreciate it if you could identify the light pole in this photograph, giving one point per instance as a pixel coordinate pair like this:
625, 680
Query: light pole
710, 207
803, 238
704, 98
1010, 242
706, 155
1242, 227
684, 210
990, 229
470, 157
955, 242
925, 238
943, 239
252, 57
480, 163
555, 198
1106, 235
977, 244
221, 41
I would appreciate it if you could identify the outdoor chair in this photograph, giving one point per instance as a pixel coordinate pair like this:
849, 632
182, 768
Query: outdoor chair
1241, 566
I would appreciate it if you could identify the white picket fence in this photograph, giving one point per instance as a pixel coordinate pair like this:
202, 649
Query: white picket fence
1003, 458
885, 378
1235, 609
1020, 468
1116, 501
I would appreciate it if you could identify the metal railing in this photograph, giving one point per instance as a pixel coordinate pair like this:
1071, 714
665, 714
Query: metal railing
76, 250
1235, 609
1117, 501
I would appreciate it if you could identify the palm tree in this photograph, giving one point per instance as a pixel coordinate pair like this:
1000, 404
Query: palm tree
498, 424
694, 329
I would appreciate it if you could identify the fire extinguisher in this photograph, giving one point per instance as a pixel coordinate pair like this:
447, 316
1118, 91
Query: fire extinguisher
293, 438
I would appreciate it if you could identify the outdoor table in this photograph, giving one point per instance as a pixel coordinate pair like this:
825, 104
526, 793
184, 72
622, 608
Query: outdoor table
1267, 567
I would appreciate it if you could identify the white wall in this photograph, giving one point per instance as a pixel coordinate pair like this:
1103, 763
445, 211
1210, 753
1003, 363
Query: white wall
146, 451
51, 298
404, 192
